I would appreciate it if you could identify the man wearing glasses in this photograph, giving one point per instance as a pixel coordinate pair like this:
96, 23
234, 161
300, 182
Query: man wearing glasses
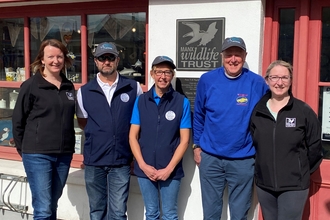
159, 137
104, 111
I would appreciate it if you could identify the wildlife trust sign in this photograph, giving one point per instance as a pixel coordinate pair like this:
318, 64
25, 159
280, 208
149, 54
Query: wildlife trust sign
199, 43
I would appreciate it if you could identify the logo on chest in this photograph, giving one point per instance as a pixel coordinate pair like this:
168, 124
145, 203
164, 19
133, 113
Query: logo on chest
170, 115
290, 122
70, 96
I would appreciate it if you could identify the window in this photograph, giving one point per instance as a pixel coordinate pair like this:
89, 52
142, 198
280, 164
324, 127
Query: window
63, 28
22, 35
286, 35
127, 31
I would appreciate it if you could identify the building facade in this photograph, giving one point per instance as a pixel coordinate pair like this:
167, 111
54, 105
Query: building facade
297, 31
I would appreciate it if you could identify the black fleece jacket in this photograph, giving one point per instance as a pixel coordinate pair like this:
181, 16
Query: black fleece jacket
43, 117
289, 148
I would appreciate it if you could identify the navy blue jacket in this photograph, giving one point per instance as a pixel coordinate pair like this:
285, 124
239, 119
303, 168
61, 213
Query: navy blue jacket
160, 130
107, 128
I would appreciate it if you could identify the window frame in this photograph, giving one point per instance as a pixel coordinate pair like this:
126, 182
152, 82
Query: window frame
68, 9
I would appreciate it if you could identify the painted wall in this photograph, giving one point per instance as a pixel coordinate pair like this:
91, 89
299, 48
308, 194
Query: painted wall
243, 18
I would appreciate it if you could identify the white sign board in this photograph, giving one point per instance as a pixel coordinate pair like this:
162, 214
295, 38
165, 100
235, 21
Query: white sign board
326, 114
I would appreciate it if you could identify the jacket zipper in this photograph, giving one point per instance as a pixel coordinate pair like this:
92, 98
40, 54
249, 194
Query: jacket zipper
63, 118
158, 124
274, 153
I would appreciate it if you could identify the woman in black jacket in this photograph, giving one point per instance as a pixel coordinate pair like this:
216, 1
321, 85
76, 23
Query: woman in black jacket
43, 127
287, 137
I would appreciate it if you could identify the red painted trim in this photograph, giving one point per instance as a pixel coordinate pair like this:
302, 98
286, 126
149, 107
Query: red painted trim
314, 51
301, 50
260, 217
9, 153
145, 86
77, 161
84, 48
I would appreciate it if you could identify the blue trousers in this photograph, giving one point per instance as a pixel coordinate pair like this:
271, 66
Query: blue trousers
47, 175
107, 190
215, 174
160, 192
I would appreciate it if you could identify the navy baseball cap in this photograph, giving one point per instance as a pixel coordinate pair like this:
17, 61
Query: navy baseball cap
233, 42
163, 59
104, 48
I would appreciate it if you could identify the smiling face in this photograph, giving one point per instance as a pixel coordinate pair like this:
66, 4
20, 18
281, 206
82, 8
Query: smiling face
162, 74
53, 60
233, 60
279, 81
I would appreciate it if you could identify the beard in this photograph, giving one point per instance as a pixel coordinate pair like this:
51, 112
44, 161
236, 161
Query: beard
108, 72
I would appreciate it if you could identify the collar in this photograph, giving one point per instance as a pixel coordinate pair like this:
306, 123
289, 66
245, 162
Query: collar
103, 84
262, 105
153, 94
43, 83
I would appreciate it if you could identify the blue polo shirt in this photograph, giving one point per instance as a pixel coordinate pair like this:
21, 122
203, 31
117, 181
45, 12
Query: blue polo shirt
186, 117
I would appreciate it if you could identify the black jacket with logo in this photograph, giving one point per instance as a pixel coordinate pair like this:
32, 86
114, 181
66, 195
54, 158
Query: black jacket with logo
289, 148
43, 117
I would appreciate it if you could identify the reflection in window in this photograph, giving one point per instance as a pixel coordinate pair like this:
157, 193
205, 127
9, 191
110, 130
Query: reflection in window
286, 35
127, 31
11, 49
325, 44
63, 28
8, 97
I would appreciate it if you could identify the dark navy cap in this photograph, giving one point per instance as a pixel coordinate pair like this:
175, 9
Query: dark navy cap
104, 48
233, 42
163, 59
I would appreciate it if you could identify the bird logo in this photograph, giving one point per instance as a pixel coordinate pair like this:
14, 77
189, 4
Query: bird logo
4, 134
198, 34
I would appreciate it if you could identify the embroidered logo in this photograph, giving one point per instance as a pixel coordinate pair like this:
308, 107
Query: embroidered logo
70, 96
290, 122
124, 97
242, 99
170, 115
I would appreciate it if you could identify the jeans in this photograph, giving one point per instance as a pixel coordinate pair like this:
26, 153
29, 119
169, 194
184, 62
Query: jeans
107, 190
47, 175
168, 190
288, 205
215, 173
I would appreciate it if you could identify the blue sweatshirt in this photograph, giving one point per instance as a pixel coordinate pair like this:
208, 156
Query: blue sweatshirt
223, 107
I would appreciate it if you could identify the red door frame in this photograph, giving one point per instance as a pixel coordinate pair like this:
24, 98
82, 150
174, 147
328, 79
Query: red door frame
306, 66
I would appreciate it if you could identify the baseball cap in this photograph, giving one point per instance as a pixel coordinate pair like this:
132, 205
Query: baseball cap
104, 48
233, 42
163, 59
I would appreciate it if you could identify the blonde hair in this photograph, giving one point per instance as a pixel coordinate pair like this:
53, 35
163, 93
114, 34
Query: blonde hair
280, 63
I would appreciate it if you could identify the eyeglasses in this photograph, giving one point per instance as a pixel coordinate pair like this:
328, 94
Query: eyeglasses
106, 57
277, 78
161, 72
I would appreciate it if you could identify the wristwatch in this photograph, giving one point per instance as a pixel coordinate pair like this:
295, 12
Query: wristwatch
194, 146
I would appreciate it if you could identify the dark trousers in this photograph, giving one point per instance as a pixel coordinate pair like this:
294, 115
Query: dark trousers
286, 205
